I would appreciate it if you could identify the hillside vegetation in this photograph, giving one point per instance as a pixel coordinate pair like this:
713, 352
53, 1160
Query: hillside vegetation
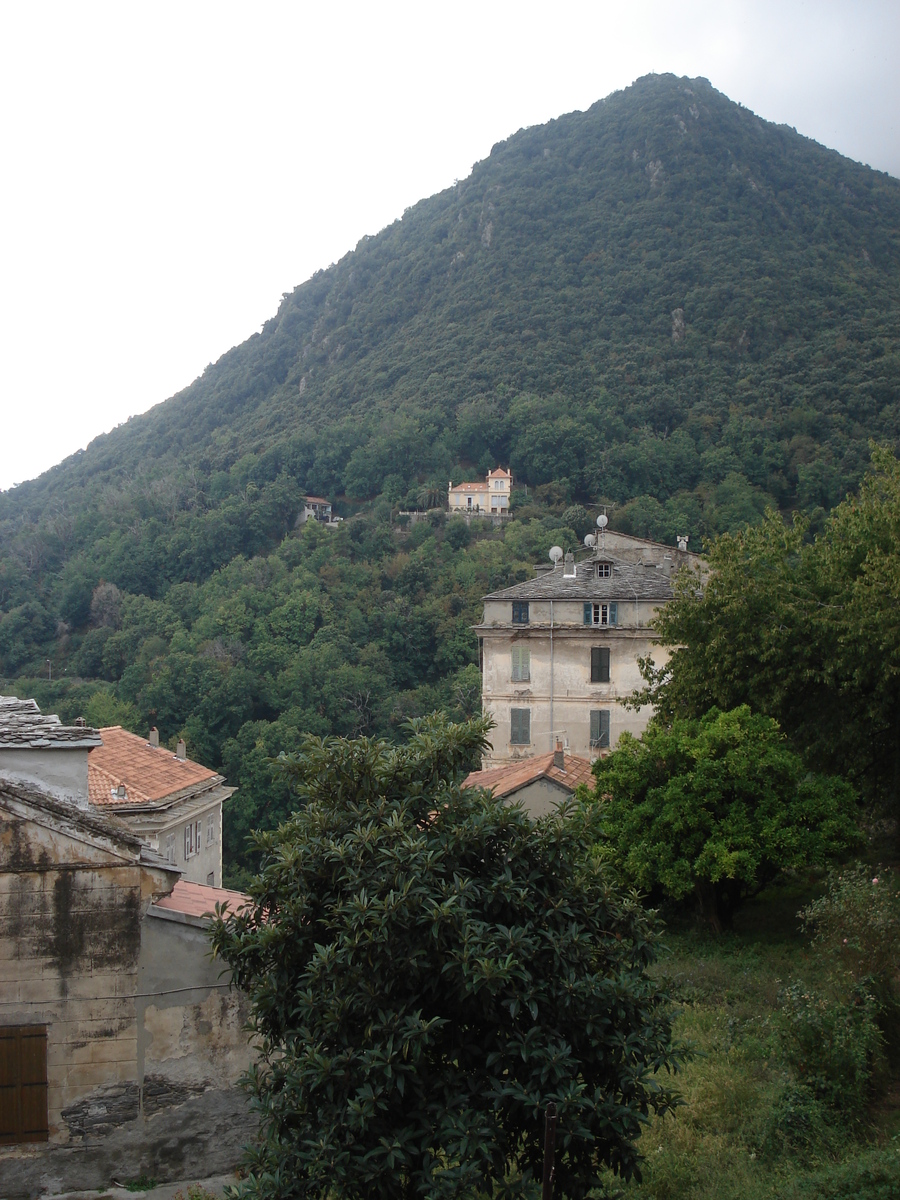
663, 304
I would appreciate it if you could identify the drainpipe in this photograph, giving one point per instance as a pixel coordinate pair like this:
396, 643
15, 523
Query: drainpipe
551, 675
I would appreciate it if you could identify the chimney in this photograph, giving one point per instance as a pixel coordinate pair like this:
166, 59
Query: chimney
153, 739
558, 756
81, 722
181, 752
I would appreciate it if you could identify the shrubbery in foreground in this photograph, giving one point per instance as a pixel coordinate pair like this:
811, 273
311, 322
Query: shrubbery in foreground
428, 968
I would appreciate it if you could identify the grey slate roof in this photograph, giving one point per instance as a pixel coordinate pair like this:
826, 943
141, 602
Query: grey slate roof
24, 727
628, 581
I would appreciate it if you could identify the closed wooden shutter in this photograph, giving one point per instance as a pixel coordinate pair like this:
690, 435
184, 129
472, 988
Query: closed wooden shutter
613, 614
521, 664
599, 664
600, 728
520, 726
23, 1084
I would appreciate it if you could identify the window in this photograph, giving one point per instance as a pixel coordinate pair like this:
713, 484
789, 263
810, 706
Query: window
599, 664
189, 840
198, 837
601, 614
520, 726
599, 728
210, 829
23, 1084
604, 570
520, 612
521, 664
170, 847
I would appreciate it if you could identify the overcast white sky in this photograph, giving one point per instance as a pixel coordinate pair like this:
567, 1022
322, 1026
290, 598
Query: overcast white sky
170, 169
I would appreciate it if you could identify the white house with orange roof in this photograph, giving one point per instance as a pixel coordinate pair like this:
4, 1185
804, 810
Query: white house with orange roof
490, 497
173, 804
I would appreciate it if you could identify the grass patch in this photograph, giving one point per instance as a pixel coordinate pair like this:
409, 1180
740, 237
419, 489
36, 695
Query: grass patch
750, 1127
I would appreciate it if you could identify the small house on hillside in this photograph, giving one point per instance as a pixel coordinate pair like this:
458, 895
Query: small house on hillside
490, 497
315, 508
172, 803
539, 784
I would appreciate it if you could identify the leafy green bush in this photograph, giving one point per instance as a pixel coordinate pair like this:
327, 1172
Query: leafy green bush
857, 920
427, 969
833, 1044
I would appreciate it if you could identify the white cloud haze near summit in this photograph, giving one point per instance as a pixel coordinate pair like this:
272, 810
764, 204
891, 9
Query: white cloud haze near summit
169, 170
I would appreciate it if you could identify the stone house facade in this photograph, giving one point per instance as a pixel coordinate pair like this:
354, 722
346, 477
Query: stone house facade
121, 1042
559, 652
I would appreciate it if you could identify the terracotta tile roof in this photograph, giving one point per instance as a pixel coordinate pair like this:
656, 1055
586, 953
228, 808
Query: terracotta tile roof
503, 781
148, 773
480, 486
198, 899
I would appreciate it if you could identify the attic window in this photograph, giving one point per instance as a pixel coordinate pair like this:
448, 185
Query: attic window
604, 570
520, 612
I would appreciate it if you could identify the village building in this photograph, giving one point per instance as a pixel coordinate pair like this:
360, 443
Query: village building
121, 1042
316, 508
560, 652
171, 802
539, 784
490, 497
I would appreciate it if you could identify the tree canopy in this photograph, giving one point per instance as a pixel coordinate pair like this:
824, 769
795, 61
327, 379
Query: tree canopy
718, 808
427, 968
805, 631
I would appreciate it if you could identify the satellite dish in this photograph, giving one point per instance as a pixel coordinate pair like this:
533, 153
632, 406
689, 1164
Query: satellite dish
556, 554
602, 521
590, 540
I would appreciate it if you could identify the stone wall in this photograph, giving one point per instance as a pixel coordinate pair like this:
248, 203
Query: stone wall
144, 1039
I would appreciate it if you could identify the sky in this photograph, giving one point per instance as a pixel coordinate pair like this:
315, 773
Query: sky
169, 170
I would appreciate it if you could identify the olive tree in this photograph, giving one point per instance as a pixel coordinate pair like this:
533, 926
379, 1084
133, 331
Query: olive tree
428, 968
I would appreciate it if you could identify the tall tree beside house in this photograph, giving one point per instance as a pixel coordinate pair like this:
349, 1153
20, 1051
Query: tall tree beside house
428, 968
805, 631
717, 808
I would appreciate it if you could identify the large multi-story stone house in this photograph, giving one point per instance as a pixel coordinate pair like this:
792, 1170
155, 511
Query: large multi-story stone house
560, 652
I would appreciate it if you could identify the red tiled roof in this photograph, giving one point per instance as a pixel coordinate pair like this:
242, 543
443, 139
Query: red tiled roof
149, 773
480, 486
200, 900
503, 781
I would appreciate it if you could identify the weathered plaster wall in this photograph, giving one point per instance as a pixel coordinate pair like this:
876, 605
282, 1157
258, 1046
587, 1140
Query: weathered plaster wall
191, 1022
573, 693
62, 769
540, 797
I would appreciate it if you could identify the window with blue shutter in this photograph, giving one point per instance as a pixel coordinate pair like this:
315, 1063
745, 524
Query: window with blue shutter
601, 614
599, 728
520, 726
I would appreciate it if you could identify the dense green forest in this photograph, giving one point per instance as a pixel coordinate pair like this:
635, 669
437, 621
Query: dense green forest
663, 305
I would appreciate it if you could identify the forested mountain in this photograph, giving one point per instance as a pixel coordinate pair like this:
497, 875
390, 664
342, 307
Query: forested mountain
663, 304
